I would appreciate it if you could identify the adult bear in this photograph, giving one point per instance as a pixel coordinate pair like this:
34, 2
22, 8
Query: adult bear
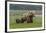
29, 17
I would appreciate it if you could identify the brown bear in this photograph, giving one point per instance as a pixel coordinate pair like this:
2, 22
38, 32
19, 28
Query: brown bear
26, 17
29, 17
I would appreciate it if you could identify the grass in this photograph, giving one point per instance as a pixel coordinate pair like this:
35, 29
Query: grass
37, 22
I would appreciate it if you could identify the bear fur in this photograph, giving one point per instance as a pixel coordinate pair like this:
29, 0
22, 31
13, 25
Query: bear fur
26, 17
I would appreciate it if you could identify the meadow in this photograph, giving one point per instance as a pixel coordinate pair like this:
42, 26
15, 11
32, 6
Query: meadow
17, 10
37, 22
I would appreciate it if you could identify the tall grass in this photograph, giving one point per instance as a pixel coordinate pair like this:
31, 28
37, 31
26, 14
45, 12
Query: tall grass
37, 22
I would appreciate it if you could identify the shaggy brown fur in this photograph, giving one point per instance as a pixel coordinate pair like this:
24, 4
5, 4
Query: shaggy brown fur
27, 17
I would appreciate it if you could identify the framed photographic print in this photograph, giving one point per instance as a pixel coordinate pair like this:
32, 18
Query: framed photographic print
23, 16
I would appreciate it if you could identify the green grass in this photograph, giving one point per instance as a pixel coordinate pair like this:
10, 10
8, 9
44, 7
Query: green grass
37, 22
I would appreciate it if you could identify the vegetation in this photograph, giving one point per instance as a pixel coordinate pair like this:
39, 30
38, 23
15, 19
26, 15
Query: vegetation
25, 7
37, 22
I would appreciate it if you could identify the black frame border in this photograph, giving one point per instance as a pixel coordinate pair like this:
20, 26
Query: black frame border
24, 2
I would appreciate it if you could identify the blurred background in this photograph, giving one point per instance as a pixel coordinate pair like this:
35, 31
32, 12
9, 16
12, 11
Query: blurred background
19, 9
